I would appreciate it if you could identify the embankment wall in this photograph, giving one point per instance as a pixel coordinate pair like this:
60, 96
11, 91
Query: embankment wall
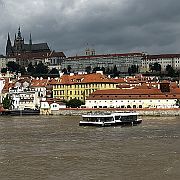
142, 112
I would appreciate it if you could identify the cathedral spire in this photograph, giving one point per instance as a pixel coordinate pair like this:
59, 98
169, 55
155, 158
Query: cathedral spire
30, 39
19, 33
8, 46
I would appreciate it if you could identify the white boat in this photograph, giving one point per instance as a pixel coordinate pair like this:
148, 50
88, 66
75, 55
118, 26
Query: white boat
110, 119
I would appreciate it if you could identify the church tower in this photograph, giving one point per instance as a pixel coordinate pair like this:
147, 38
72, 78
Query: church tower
19, 42
9, 48
30, 42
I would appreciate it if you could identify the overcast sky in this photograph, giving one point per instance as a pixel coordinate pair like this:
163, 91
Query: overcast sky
108, 26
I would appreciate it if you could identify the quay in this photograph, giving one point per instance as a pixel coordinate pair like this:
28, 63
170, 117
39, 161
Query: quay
141, 112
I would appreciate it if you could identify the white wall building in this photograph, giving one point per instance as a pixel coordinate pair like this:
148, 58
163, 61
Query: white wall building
133, 98
163, 59
24, 98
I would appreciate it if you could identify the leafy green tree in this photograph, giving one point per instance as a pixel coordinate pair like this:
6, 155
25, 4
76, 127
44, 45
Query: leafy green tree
13, 66
103, 70
168, 67
115, 69
41, 69
64, 71
6, 102
133, 69
96, 69
88, 69
130, 71
69, 68
54, 71
157, 67
22, 70
31, 68
170, 71
74, 103
107, 70
4, 70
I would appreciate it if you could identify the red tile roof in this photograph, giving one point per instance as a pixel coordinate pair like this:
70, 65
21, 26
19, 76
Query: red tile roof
39, 82
85, 78
152, 93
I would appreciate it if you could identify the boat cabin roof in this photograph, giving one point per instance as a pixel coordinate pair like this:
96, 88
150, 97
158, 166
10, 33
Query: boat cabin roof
110, 114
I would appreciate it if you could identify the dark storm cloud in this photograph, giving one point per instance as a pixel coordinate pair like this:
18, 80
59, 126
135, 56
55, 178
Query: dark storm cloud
109, 26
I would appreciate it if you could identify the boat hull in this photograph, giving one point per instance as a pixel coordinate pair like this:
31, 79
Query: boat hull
102, 124
97, 124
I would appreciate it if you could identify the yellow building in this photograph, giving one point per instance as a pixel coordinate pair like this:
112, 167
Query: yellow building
80, 86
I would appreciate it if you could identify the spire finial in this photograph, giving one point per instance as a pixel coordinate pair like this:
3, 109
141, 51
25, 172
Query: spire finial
19, 32
30, 39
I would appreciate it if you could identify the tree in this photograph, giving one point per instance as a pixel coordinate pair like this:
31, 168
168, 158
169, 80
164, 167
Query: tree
41, 69
130, 71
4, 70
6, 102
74, 103
69, 68
88, 69
170, 71
54, 71
96, 69
22, 70
30, 68
103, 70
64, 71
133, 69
13, 66
157, 67
168, 67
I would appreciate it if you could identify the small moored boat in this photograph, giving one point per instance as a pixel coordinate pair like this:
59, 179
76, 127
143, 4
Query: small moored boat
110, 119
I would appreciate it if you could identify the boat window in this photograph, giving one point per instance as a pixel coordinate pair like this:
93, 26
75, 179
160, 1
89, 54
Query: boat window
129, 118
117, 117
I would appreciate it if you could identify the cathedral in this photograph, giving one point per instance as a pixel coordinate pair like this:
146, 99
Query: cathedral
19, 47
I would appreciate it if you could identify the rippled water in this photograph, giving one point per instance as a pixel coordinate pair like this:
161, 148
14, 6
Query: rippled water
55, 147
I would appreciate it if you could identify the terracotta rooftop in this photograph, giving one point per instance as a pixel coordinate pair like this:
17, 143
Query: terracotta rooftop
153, 93
85, 78
39, 82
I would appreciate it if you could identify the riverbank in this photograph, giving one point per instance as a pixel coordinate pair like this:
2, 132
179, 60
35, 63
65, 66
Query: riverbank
142, 112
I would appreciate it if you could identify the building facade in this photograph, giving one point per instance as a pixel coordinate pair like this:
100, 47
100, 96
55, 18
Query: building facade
134, 98
163, 59
121, 61
79, 86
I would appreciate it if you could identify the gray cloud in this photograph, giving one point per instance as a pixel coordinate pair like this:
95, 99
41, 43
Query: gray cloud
109, 26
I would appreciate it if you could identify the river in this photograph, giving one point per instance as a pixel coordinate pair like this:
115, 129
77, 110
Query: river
57, 148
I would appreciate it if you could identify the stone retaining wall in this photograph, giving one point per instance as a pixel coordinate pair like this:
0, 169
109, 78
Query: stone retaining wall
142, 112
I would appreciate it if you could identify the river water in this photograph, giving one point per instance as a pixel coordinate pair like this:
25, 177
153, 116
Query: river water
55, 148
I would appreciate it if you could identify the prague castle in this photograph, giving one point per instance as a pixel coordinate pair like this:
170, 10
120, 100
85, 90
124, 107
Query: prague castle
20, 47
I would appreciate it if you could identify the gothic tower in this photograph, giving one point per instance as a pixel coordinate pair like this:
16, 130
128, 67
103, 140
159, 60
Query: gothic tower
9, 48
18, 42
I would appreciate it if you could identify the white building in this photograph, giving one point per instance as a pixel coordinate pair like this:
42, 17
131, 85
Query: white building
51, 106
24, 98
133, 98
163, 59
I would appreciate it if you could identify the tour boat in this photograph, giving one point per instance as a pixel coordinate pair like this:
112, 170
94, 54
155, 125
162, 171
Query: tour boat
110, 119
